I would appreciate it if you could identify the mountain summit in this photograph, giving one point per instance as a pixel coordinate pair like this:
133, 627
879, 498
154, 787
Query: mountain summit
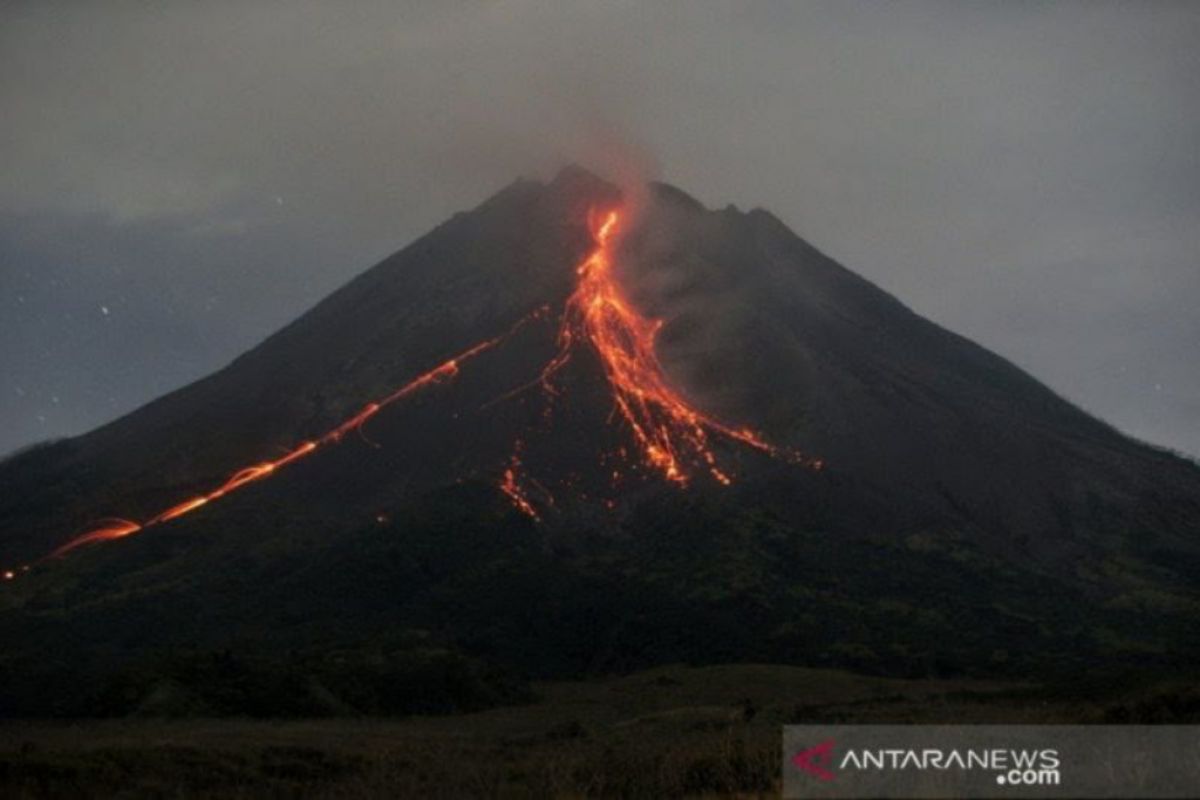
560, 433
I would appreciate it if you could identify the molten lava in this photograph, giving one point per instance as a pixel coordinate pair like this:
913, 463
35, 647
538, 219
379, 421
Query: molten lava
111, 529
118, 528
671, 437
516, 493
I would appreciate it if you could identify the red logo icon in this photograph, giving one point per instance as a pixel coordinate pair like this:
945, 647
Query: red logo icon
816, 761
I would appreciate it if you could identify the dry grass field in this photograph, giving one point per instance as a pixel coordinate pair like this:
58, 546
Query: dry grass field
668, 732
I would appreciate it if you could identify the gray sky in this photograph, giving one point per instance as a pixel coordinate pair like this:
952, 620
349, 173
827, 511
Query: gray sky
178, 180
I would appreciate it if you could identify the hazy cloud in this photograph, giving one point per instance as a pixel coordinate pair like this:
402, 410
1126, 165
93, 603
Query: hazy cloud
1026, 174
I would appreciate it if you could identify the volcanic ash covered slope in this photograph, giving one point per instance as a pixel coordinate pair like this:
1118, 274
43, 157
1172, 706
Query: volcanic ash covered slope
797, 468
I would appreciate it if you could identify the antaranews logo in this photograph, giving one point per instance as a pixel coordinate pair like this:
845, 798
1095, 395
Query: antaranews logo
1011, 767
816, 761
970, 762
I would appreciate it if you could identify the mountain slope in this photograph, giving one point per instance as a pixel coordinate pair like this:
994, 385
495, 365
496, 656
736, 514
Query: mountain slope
963, 517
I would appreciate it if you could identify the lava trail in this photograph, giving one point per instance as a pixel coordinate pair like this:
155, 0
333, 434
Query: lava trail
118, 528
673, 437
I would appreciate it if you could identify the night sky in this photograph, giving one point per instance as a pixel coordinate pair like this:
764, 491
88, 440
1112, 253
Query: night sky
178, 181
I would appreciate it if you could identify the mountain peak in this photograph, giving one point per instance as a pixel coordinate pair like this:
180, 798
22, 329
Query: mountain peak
574, 178
673, 195
647, 420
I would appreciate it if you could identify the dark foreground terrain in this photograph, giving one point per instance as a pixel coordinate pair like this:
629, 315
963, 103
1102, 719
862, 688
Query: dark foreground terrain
668, 732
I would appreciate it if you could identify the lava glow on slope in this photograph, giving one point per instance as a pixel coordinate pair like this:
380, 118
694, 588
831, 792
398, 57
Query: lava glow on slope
118, 528
671, 437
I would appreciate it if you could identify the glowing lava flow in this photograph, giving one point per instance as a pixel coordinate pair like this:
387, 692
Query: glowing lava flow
516, 494
671, 434
117, 528
672, 437
112, 529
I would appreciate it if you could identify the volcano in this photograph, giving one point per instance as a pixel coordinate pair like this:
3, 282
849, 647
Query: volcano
567, 432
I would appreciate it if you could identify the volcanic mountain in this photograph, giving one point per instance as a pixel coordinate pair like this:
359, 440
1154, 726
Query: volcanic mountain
567, 432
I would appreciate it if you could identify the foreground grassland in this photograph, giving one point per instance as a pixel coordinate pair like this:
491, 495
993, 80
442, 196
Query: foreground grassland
668, 732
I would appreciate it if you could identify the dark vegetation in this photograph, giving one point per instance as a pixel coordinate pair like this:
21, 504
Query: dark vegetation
671, 732
455, 601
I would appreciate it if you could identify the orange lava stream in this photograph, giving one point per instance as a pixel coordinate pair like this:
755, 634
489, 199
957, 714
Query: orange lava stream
112, 529
672, 437
511, 487
118, 528
670, 433
665, 426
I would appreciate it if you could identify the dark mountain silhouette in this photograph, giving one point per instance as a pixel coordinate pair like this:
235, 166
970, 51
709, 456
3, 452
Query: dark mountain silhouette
966, 518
